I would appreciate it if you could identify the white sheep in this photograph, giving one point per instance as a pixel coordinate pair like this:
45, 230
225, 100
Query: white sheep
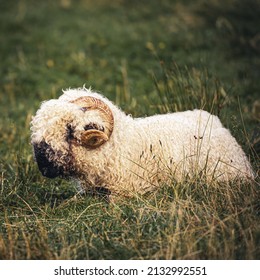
82, 135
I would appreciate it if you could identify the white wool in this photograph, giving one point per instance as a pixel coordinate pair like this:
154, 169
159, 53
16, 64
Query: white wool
143, 153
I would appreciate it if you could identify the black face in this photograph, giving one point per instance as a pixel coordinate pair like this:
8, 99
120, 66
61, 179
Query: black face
48, 168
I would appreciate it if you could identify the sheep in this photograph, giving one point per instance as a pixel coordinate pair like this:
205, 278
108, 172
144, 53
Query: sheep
84, 136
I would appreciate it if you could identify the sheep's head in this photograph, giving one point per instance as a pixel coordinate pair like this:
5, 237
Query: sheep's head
63, 129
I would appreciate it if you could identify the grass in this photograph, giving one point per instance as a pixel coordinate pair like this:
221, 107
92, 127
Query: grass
148, 58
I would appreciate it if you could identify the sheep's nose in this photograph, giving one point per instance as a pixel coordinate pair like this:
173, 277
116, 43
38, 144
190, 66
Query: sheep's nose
48, 168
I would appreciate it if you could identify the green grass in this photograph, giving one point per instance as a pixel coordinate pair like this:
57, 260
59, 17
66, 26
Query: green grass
148, 57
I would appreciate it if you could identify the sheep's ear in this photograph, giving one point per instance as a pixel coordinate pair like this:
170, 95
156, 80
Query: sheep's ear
93, 138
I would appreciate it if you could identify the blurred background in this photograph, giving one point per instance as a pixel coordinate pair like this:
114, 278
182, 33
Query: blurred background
116, 46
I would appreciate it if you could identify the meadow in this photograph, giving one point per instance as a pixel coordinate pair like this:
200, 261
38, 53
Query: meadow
148, 57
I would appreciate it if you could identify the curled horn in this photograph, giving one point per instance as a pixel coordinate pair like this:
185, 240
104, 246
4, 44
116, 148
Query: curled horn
94, 138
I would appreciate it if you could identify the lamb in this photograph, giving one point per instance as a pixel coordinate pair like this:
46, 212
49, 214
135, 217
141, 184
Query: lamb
84, 136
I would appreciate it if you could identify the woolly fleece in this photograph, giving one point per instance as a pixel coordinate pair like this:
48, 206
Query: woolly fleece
142, 153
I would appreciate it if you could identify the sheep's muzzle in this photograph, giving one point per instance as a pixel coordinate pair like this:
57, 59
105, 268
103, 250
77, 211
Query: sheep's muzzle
43, 152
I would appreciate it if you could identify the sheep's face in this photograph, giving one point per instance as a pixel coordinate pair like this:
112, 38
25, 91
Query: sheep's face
62, 130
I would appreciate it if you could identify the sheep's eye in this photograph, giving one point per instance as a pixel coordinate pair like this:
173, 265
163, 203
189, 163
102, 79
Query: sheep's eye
93, 126
90, 126
70, 133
